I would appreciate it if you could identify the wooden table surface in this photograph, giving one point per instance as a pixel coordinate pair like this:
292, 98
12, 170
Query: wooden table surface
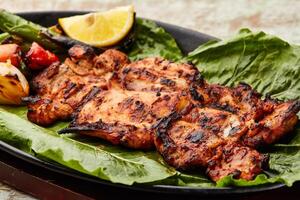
220, 18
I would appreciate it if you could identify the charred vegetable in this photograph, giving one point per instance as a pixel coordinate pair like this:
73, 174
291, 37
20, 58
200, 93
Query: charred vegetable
38, 58
27, 30
13, 84
66, 41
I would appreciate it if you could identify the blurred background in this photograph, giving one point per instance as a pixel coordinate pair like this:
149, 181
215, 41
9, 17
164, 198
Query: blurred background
219, 18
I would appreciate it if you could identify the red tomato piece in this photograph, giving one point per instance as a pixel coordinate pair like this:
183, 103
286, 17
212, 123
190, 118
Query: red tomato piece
10, 52
39, 58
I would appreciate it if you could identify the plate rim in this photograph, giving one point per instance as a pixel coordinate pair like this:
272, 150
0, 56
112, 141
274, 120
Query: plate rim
168, 189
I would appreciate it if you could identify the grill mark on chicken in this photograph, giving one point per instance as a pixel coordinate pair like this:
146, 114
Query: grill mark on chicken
162, 127
195, 137
168, 82
195, 95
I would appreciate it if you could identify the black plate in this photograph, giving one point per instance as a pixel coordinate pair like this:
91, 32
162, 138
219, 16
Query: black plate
188, 40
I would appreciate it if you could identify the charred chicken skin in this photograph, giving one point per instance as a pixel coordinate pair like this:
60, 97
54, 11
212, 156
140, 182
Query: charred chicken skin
157, 103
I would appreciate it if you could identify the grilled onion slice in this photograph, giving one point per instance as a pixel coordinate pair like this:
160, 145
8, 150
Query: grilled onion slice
13, 84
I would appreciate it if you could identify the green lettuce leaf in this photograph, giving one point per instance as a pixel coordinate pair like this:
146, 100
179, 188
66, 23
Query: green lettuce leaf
152, 40
285, 160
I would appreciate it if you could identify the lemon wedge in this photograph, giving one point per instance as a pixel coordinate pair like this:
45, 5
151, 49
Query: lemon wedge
100, 29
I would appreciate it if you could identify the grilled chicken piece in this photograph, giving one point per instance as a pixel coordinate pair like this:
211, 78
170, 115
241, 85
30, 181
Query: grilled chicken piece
140, 94
219, 134
200, 140
273, 126
236, 160
125, 117
266, 120
158, 75
61, 88
242, 100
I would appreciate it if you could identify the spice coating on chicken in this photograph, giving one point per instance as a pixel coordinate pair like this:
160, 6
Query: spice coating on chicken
135, 99
158, 75
264, 121
61, 88
125, 117
200, 140
223, 130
